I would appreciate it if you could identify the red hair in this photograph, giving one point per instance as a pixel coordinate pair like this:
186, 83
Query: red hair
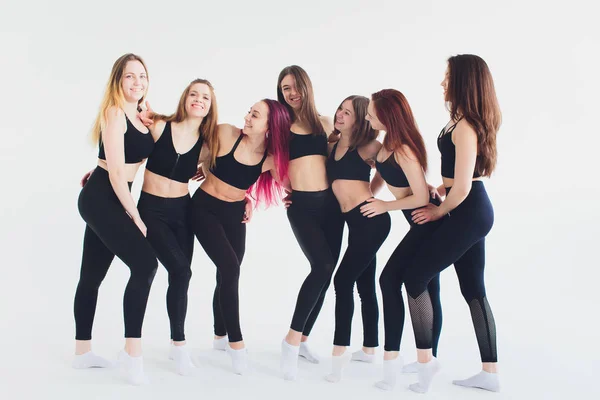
393, 110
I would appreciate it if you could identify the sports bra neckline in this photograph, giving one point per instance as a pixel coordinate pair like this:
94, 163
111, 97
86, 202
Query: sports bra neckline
134, 127
235, 146
334, 150
172, 141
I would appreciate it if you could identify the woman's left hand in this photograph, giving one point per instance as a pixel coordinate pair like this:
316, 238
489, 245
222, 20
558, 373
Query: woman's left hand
374, 207
248, 210
426, 214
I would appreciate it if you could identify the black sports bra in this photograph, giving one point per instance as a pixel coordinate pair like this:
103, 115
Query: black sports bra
448, 152
351, 167
234, 173
166, 161
391, 172
138, 145
307, 145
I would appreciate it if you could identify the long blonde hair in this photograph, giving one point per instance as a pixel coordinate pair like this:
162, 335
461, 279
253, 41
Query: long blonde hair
113, 94
208, 127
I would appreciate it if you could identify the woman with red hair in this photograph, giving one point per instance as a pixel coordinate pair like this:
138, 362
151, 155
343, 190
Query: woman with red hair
402, 163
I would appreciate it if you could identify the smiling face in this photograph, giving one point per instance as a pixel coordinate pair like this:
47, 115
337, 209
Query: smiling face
134, 82
372, 118
345, 117
290, 93
198, 101
257, 120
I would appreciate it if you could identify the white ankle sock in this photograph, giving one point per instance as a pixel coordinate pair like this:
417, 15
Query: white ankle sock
337, 367
360, 355
390, 370
133, 367
426, 373
289, 360
483, 380
183, 359
239, 360
220, 344
90, 360
411, 368
307, 354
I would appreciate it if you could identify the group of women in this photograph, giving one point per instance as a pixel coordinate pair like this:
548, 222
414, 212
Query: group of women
323, 168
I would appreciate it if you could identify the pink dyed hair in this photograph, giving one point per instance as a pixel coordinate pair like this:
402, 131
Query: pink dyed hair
266, 189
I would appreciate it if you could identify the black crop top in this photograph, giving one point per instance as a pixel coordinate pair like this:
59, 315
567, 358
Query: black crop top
234, 173
166, 161
448, 152
307, 145
138, 145
351, 167
391, 172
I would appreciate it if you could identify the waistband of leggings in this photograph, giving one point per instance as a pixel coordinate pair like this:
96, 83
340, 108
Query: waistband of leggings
164, 202
217, 204
476, 187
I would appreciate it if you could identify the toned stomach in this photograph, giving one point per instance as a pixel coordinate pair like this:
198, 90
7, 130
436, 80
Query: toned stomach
163, 187
221, 190
350, 193
130, 169
308, 174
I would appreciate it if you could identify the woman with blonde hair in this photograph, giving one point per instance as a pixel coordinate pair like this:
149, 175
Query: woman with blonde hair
113, 223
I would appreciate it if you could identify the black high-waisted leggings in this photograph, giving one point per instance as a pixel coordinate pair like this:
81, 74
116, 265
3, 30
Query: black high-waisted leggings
171, 236
358, 265
458, 240
219, 229
392, 278
318, 225
109, 231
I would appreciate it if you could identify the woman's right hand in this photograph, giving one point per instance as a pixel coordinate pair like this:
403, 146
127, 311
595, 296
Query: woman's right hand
147, 115
287, 200
199, 175
140, 224
433, 192
86, 177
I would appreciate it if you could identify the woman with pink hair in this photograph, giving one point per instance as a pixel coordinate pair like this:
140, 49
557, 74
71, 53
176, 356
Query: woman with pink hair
250, 160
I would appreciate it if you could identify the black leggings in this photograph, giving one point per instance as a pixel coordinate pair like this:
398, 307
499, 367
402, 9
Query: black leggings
318, 225
392, 278
365, 236
109, 232
171, 236
219, 229
458, 240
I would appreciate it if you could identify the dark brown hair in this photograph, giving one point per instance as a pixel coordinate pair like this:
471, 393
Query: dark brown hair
308, 111
471, 95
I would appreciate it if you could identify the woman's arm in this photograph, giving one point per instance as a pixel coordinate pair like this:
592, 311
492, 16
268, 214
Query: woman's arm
114, 149
416, 179
465, 142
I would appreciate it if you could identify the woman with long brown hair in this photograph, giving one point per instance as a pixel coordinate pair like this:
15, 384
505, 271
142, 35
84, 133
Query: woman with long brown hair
314, 214
114, 226
402, 163
349, 171
468, 148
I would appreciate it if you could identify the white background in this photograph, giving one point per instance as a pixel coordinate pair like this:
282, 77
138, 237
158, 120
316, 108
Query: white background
541, 270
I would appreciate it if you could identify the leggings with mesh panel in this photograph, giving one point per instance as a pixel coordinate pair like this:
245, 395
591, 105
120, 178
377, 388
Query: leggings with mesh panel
392, 279
318, 225
459, 240
171, 236
218, 227
365, 236
110, 231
